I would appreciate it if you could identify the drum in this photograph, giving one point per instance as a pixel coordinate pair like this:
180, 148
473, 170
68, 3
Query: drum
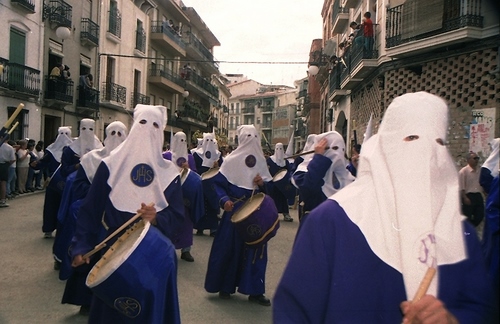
256, 221
137, 275
209, 188
282, 181
57, 181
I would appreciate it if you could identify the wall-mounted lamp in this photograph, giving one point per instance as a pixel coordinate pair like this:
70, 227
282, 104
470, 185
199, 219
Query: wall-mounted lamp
313, 70
185, 94
63, 32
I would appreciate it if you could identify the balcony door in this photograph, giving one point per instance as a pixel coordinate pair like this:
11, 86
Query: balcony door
17, 52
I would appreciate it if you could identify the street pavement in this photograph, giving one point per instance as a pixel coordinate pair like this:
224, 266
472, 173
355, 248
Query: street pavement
30, 291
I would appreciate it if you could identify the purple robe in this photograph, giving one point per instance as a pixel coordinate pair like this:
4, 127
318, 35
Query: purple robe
279, 198
97, 207
334, 277
233, 264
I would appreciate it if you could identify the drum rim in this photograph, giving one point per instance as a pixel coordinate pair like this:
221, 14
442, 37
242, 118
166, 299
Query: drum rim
90, 280
285, 171
259, 194
209, 173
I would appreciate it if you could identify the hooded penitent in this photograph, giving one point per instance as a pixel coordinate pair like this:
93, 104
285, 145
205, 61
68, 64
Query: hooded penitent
492, 162
116, 133
209, 150
86, 141
138, 172
63, 139
178, 148
279, 155
243, 164
405, 199
337, 176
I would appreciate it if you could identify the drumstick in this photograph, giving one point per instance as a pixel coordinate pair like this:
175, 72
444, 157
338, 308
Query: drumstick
11, 119
424, 285
101, 245
302, 153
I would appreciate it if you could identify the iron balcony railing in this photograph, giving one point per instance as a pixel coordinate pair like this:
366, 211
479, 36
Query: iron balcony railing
403, 27
139, 99
28, 4
225, 109
163, 27
90, 31
58, 12
197, 44
140, 40
267, 108
59, 89
88, 97
160, 70
204, 84
361, 48
248, 110
267, 125
20, 78
114, 92
337, 9
115, 23
334, 82
194, 111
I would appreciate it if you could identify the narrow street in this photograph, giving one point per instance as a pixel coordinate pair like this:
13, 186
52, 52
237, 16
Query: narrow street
30, 291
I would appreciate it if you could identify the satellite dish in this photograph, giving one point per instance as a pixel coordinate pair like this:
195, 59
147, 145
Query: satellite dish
330, 47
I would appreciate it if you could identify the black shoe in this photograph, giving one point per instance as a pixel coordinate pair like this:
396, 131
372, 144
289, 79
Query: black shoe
261, 299
287, 218
57, 265
224, 295
186, 256
212, 234
84, 310
199, 232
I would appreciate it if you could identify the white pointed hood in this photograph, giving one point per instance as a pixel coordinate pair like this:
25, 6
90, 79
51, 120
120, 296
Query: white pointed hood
63, 139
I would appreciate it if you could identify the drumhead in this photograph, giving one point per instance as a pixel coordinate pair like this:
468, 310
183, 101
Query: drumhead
117, 254
248, 207
209, 174
280, 175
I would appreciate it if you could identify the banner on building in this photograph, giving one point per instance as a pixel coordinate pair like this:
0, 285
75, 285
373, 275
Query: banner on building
482, 130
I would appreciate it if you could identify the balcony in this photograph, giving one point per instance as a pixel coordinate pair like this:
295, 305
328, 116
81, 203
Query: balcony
200, 85
88, 99
20, 79
137, 98
196, 49
340, 18
334, 90
359, 60
89, 35
267, 125
58, 91
248, 110
27, 5
268, 109
164, 35
411, 29
302, 93
225, 109
58, 13
166, 79
351, 3
114, 96
194, 113
115, 25
140, 40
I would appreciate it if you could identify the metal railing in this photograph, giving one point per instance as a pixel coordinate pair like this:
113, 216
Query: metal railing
197, 44
139, 99
115, 23
59, 12
160, 70
302, 93
90, 31
164, 28
28, 4
58, 89
334, 81
204, 84
337, 9
194, 111
114, 92
248, 110
88, 97
402, 27
20, 78
140, 40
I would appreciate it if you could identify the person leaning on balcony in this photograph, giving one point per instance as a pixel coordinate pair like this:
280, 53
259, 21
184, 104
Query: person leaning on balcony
368, 34
55, 77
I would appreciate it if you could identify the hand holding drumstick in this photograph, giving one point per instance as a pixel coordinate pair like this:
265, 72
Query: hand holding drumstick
426, 308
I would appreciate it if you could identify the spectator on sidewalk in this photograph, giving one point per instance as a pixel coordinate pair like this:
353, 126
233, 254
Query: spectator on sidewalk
471, 191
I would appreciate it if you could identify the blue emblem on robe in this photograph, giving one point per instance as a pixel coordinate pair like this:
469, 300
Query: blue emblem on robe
180, 161
142, 175
208, 154
250, 161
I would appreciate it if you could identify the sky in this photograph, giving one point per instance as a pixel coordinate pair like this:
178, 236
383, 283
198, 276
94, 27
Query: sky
262, 31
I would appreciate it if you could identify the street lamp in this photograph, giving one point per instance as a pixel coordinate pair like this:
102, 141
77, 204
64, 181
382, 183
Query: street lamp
63, 32
313, 70
185, 94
